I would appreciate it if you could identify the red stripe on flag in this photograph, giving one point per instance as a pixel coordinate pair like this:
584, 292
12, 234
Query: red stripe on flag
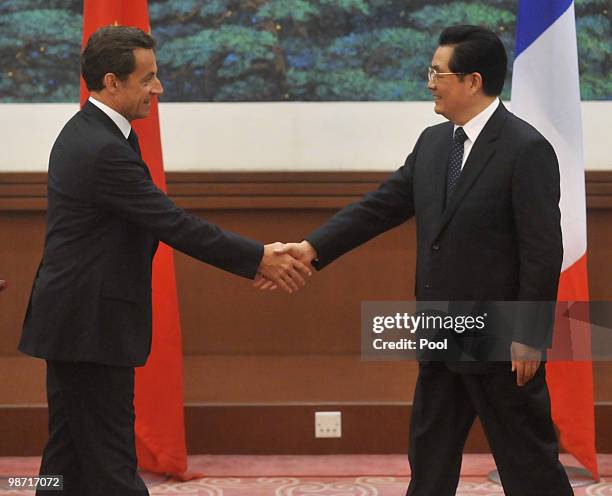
571, 382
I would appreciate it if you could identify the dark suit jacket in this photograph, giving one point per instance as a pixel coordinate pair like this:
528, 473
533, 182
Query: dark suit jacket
91, 299
498, 237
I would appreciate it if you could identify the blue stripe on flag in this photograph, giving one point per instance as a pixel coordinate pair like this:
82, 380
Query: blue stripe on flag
535, 17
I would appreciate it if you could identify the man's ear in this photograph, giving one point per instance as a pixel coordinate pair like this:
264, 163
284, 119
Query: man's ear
475, 80
111, 83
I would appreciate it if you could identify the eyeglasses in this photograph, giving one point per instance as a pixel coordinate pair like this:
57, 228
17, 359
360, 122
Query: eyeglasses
433, 74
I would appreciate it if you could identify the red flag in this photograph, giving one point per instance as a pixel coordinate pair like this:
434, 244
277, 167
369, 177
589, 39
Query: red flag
160, 428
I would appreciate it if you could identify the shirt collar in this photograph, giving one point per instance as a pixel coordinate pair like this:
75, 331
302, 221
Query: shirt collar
122, 123
475, 125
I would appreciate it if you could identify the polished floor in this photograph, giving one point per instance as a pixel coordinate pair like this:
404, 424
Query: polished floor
326, 475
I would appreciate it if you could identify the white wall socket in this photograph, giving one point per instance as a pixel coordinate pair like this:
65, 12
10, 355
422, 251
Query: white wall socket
328, 424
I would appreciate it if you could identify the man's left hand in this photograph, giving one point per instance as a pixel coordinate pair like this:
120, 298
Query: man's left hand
525, 361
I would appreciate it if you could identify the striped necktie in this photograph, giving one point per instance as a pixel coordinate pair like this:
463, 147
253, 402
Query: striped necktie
455, 161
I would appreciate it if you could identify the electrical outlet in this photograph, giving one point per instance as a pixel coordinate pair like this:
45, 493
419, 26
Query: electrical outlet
328, 424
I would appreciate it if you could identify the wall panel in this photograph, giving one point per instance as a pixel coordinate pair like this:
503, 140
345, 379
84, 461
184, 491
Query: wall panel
271, 355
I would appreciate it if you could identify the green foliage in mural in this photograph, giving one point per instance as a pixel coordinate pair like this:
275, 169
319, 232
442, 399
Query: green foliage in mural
308, 50
594, 33
39, 50
279, 50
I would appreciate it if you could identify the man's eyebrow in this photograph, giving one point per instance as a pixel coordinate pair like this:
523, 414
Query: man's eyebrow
149, 75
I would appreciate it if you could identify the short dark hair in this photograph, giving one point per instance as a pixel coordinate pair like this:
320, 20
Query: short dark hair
111, 49
477, 49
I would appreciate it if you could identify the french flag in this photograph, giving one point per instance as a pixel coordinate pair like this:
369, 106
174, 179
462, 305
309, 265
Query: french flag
546, 93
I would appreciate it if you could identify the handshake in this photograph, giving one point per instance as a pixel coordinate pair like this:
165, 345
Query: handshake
285, 266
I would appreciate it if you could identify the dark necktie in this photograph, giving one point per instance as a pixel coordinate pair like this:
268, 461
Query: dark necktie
455, 161
133, 141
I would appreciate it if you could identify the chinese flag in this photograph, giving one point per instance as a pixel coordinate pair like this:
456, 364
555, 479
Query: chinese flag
160, 428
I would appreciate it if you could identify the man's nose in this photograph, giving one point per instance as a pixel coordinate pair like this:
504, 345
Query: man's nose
157, 88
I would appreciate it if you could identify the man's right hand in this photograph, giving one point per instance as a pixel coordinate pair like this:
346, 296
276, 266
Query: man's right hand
3, 285
303, 252
279, 268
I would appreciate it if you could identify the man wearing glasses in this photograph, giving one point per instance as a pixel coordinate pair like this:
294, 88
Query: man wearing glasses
484, 189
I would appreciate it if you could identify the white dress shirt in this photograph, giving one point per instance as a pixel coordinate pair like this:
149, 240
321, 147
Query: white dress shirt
122, 123
474, 126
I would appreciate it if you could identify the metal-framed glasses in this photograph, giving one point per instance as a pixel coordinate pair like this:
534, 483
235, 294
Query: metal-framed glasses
433, 74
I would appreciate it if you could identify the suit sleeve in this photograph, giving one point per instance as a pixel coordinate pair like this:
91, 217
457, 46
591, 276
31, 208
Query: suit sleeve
535, 199
122, 186
378, 211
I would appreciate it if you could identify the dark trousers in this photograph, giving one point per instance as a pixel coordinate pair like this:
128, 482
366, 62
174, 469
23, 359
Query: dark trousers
516, 421
91, 430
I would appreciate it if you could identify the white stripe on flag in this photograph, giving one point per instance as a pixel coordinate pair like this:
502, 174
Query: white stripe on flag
546, 93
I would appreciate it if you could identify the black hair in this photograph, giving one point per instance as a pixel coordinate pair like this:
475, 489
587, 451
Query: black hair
477, 49
111, 49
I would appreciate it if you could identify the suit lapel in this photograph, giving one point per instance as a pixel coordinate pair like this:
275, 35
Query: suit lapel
90, 109
481, 153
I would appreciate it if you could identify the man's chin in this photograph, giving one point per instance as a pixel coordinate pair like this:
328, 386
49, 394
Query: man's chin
142, 115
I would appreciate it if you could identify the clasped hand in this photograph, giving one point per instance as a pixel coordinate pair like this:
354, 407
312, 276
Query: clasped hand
285, 266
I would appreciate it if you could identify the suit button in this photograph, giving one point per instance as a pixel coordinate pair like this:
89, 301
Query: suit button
435, 247
426, 286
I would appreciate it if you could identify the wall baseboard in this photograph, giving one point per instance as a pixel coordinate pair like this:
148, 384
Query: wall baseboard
275, 429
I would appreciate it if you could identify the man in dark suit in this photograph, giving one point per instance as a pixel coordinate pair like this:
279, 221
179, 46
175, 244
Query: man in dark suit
89, 315
484, 189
